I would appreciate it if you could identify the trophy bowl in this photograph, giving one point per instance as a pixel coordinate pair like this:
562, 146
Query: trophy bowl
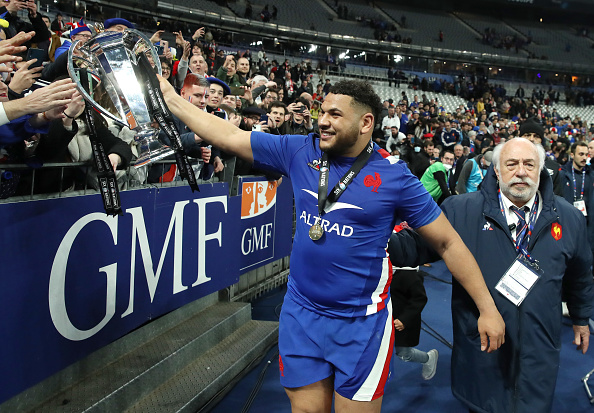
109, 60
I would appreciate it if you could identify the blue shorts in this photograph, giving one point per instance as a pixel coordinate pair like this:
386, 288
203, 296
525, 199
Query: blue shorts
356, 351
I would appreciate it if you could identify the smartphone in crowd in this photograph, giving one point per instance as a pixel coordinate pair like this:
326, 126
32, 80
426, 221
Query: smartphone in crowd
264, 118
38, 54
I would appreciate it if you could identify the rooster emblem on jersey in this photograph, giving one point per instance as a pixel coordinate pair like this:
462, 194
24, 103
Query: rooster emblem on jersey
374, 182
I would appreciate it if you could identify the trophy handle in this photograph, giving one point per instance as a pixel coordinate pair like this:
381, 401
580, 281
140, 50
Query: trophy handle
72, 72
81, 89
153, 49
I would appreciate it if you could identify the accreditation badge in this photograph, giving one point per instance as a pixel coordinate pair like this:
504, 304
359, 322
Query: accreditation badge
581, 206
518, 280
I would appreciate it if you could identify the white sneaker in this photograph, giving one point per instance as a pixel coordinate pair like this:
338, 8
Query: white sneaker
430, 367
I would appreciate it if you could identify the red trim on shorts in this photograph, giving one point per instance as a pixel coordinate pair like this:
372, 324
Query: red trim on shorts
382, 383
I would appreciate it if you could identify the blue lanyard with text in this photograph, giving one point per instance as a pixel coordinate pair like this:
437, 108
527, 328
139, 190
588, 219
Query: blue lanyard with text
575, 184
523, 238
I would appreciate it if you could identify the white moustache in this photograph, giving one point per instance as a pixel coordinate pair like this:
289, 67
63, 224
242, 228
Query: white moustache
522, 181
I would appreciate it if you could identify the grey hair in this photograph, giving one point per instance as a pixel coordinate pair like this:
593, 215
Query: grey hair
539, 149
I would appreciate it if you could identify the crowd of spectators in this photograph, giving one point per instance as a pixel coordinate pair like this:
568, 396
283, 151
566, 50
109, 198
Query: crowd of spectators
421, 132
244, 87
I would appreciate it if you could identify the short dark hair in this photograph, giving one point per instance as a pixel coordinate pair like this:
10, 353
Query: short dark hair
304, 101
575, 146
428, 143
362, 94
277, 104
446, 150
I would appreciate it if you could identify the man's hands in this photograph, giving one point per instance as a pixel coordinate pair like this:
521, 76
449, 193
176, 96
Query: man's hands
75, 107
581, 337
398, 325
206, 152
156, 37
46, 98
24, 78
179, 38
11, 47
218, 164
198, 34
115, 160
492, 330
187, 50
32, 6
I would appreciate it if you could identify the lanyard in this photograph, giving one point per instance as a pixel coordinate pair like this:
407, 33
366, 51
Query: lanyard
575, 183
523, 238
344, 182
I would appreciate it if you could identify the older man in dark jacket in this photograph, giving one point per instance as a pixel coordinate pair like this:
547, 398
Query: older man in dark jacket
521, 376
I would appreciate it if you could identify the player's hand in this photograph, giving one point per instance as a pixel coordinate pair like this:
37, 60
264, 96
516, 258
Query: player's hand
581, 337
166, 88
492, 330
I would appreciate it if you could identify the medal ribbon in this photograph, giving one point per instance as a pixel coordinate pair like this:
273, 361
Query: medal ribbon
344, 182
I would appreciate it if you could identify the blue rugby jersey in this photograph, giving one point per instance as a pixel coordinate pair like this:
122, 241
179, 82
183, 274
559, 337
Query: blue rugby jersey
347, 273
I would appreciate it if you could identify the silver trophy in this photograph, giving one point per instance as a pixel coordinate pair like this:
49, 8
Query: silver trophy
110, 59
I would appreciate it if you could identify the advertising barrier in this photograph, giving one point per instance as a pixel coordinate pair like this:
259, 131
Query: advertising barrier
75, 279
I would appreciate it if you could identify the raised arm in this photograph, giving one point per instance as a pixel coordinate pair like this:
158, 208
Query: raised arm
212, 129
446, 241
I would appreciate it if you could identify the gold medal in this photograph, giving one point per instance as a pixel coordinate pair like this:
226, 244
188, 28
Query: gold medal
316, 232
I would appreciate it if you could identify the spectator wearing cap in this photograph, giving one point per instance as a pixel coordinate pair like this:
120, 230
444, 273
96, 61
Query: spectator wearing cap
217, 90
117, 25
390, 120
80, 32
252, 119
534, 132
473, 172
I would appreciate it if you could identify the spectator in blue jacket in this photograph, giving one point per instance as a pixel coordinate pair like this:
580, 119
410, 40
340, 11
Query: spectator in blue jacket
449, 136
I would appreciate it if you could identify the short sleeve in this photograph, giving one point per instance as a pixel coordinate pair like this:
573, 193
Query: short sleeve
415, 205
274, 152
